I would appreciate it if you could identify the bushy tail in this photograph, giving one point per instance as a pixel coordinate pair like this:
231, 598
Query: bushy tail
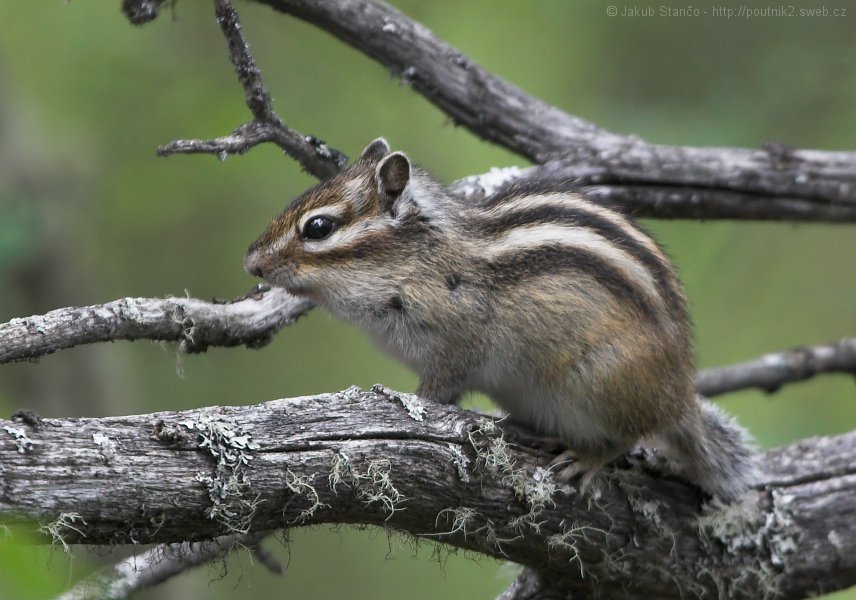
714, 452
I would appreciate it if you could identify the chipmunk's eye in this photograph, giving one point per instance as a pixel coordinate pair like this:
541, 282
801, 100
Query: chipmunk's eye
317, 228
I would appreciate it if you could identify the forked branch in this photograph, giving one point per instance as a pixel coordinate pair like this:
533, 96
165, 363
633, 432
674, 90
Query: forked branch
774, 182
245, 469
502, 113
313, 154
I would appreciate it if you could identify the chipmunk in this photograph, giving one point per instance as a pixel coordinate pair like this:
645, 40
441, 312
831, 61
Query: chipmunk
563, 311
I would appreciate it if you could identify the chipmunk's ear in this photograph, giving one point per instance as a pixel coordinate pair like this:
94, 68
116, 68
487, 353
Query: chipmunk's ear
392, 176
374, 152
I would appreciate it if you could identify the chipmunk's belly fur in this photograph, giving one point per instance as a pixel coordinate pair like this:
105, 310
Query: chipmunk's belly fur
568, 409
568, 414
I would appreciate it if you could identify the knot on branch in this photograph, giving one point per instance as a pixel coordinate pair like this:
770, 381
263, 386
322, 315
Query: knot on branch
327, 153
140, 12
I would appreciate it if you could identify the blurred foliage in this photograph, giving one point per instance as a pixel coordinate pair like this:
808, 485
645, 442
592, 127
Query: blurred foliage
30, 572
88, 213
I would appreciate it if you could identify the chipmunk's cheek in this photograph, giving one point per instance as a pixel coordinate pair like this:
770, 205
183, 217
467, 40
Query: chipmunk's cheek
281, 274
295, 278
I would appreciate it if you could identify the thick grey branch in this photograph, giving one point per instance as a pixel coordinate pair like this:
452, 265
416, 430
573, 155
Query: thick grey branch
440, 473
500, 112
775, 182
657, 201
484, 103
196, 324
772, 371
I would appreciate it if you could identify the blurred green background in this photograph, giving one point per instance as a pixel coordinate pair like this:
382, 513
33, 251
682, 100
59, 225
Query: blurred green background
88, 213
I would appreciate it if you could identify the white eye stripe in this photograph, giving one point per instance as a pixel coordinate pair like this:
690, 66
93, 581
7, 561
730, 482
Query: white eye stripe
280, 242
540, 235
334, 211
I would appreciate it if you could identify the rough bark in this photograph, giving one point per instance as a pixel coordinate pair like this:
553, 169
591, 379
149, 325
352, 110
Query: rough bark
441, 473
196, 324
658, 199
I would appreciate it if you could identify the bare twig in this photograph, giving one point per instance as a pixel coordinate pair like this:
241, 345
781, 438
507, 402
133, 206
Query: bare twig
438, 472
313, 154
196, 324
387, 457
155, 566
772, 371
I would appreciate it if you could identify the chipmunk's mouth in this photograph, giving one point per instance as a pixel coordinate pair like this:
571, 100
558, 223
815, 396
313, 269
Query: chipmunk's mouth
285, 278
279, 275
302, 292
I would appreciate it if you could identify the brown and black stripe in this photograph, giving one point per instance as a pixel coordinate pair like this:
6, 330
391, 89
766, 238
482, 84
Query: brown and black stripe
527, 236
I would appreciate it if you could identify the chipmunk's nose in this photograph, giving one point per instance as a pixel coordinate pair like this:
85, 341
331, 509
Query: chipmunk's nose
253, 265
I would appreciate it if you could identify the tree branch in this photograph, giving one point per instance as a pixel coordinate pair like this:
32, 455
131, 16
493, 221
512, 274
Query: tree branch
313, 154
155, 566
438, 472
253, 320
502, 113
656, 201
471, 96
776, 182
771, 371
358, 457
196, 324
529, 585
